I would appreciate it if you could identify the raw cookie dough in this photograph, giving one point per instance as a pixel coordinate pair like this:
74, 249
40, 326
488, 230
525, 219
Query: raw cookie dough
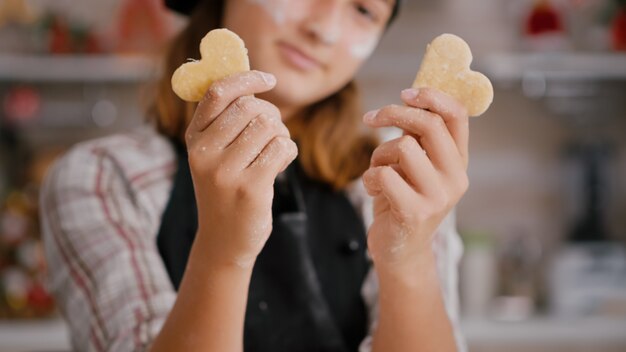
222, 53
446, 66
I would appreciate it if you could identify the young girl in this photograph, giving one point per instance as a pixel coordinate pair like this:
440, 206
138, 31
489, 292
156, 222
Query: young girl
239, 223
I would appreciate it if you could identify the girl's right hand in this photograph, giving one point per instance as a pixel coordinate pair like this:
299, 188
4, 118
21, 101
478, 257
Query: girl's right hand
237, 145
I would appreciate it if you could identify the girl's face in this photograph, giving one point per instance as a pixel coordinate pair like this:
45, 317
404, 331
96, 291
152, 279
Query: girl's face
313, 47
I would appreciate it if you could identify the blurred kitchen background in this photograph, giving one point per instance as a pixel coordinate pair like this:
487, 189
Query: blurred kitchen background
544, 220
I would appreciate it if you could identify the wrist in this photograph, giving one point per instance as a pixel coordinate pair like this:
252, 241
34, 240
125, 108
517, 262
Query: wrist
408, 272
211, 253
207, 271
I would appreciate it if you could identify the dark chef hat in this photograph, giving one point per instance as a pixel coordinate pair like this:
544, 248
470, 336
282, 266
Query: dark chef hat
186, 6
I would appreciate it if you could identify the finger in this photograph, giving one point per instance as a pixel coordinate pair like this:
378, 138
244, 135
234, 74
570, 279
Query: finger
398, 169
430, 130
451, 110
223, 92
237, 116
274, 158
385, 181
412, 160
252, 140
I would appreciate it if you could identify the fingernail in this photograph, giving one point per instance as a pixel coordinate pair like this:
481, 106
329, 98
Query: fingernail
371, 185
370, 116
410, 94
268, 78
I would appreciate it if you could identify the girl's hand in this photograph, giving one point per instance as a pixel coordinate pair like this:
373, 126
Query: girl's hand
237, 145
415, 179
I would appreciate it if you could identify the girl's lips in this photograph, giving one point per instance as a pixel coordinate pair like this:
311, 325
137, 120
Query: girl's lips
297, 58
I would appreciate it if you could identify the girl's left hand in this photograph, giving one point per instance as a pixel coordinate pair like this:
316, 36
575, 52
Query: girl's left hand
415, 179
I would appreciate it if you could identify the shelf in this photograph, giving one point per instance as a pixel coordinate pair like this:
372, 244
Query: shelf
46, 335
77, 69
511, 67
588, 86
546, 331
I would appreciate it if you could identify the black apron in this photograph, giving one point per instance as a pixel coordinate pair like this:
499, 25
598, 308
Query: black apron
305, 290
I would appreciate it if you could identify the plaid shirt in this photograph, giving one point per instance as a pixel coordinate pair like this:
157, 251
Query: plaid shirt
101, 211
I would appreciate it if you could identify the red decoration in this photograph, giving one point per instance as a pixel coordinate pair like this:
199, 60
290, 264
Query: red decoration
618, 31
544, 18
68, 38
22, 104
39, 299
92, 44
60, 37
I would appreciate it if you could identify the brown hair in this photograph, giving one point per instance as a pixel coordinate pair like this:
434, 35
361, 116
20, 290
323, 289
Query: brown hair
334, 146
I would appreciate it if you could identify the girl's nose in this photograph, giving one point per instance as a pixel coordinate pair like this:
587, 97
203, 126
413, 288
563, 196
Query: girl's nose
323, 23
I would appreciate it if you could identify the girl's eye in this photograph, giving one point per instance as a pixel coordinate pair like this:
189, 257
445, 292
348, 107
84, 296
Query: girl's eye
366, 12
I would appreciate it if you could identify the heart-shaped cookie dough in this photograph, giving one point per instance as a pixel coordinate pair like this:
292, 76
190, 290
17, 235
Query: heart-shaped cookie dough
446, 66
222, 53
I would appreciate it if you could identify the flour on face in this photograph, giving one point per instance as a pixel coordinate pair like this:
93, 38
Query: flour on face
281, 11
277, 9
327, 36
365, 48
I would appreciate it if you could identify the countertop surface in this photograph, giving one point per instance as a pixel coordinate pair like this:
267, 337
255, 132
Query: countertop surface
542, 333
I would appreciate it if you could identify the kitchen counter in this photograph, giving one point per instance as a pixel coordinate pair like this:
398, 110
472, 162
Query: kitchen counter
34, 336
537, 334
546, 334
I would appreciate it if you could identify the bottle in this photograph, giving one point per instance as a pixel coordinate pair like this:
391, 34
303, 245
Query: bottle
478, 274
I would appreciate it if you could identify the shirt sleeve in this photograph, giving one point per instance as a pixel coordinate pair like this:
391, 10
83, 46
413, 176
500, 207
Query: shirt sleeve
448, 250
104, 268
